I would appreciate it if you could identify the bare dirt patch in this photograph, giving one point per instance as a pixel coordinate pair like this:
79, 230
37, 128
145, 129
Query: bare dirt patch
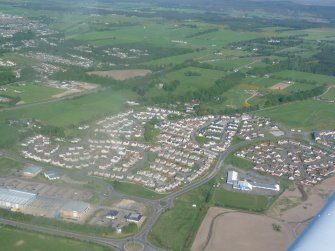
280, 86
224, 229
233, 230
121, 74
19, 243
81, 87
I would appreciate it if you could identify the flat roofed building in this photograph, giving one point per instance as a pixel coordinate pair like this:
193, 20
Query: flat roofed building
32, 171
74, 209
15, 199
51, 175
273, 187
133, 217
242, 185
232, 177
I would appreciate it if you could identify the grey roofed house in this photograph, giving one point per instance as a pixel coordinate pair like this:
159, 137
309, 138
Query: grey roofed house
112, 214
15, 198
32, 170
51, 175
133, 217
76, 206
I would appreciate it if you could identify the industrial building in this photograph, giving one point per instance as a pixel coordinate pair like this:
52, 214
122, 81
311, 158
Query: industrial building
31, 171
15, 199
244, 185
74, 210
232, 177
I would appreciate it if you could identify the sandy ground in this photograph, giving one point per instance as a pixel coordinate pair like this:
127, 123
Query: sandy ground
121, 74
79, 88
224, 229
279, 86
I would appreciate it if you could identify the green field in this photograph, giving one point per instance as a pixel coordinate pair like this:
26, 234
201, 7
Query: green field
303, 76
330, 94
177, 227
12, 239
8, 166
136, 190
204, 79
31, 92
235, 161
68, 112
308, 115
240, 200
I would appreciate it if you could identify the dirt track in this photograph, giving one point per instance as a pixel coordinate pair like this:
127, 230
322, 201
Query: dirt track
121, 74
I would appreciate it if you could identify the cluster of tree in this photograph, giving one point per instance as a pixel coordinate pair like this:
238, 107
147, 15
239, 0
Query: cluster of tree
192, 74
202, 32
51, 130
276, 99
171, 86
150, 132
6, 76
210, 94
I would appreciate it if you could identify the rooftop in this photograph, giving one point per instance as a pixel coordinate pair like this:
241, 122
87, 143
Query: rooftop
76, 206
15, 196
32, 169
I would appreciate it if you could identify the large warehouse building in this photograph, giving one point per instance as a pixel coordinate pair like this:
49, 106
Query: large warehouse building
15, 199
74, 210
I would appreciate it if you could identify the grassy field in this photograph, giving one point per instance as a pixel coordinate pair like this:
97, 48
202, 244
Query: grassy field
239, 200
303, 76
31, 92
135, 190
330, 94
307, 115
204, 79
8, 166
238, 162
183, 219
12, 239
66, 113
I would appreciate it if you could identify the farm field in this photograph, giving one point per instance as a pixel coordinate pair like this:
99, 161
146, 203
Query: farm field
14, 240
307, 115
227, 228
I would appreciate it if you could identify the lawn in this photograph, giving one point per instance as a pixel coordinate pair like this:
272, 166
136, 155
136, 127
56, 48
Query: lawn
239, 200
31, 92
238, 162
307, 115
8, 166
136, 190
330, 94
12, 239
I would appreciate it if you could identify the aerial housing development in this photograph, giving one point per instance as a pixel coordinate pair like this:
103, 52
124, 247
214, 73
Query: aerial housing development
196, 125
